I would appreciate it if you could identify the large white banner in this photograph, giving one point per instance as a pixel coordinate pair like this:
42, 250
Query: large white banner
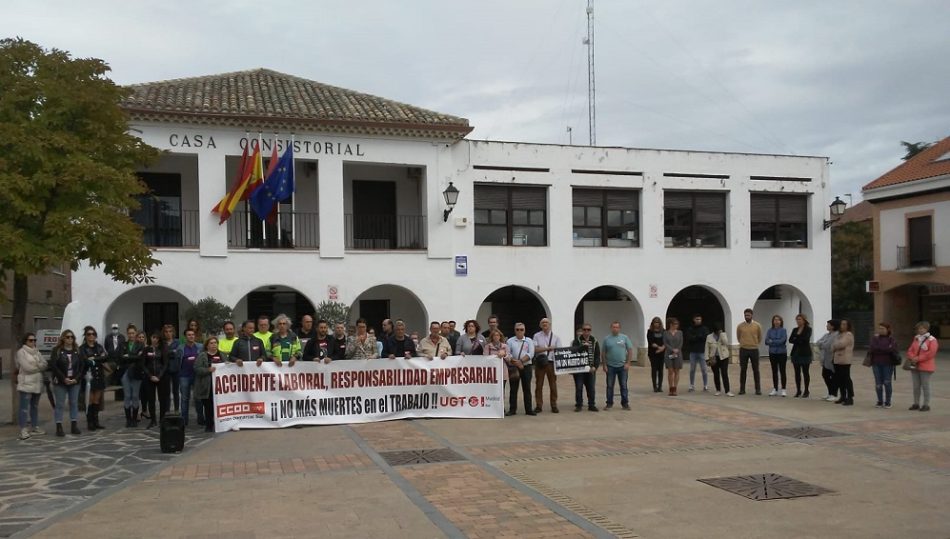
356, 391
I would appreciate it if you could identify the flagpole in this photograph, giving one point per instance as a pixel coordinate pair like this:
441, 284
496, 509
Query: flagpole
280, 234
247, 218
260, 156
293, 197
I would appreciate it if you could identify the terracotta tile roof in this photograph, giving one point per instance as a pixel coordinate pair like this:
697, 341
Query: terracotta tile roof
263, 98
926, 164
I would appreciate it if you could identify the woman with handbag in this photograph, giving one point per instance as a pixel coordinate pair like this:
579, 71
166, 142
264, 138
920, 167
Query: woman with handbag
472, 343
827, 358
801, 354
843, 355
717, 357
30, 365
96, 357
881, 353
673, 353
496, 347
922, 358
68, 369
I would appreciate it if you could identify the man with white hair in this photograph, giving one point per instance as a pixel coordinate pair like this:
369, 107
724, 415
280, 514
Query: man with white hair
545, 341
284, 343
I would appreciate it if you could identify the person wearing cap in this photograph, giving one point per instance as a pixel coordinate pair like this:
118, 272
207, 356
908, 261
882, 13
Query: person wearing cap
115, 344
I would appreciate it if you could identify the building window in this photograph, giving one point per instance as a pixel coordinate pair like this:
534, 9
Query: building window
694, 219
159, 212
779, 220
920, 244
510, 215
606, 218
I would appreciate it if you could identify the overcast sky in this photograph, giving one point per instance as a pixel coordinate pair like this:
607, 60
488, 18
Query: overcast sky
843, 79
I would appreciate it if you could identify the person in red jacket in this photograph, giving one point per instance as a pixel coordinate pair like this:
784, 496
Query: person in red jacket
922, 354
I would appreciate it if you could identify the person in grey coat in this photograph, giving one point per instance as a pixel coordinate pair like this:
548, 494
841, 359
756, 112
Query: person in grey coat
825, 344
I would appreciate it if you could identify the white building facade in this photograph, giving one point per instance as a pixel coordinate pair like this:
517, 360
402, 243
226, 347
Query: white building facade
568, 232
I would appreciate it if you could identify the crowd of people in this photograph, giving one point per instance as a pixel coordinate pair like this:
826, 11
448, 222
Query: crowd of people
175, 372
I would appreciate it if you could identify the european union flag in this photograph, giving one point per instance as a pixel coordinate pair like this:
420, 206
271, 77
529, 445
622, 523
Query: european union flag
277, 187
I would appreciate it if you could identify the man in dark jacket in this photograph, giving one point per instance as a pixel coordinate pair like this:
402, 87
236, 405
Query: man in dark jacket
248, 347
320, 346
586, 341
695, 336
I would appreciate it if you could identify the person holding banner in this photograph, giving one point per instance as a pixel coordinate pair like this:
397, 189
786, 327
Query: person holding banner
208, 360
249, 347
435, 344
263, 330
521, 350
320, 346
338, 350
471, 343
545, 341
399, 344
226, 343
586, 380
284, 344
362, 345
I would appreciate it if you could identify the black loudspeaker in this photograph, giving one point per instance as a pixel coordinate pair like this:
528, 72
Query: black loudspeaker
172, 433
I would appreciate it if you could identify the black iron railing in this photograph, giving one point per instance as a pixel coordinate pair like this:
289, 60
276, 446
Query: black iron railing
916, 256
290, 230
385, 232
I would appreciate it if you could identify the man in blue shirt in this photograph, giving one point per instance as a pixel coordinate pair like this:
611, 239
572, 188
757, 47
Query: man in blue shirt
618, 355
520, 352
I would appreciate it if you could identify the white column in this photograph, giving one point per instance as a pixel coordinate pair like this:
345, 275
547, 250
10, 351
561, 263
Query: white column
332, 220
213, 238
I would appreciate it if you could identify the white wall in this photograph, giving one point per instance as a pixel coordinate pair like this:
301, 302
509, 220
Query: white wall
402, 304
559, 274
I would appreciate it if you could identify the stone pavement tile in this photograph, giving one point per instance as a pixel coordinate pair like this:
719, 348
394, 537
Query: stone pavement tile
394, 435
911, 422
278, 444
244, 469
913, 454
295, 505
718, 410
610, 446
482, 505
659, 495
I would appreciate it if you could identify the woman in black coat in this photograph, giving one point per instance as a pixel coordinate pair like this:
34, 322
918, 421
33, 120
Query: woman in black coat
95, 356
801, 354
153, 368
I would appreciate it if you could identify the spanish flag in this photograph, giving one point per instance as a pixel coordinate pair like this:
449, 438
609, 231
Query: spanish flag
250, 177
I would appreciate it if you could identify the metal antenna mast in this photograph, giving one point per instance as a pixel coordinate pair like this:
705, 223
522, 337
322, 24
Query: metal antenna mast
591, 85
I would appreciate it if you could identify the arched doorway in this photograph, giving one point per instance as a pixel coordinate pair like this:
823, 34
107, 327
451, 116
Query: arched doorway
788, 301
149, 307
513, 304
272, 300
701, 300
604, 304
390, 301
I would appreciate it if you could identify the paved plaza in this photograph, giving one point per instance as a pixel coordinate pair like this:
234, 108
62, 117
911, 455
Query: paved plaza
853, 471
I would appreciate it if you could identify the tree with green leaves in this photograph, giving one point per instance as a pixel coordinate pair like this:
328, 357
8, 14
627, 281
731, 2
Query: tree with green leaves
332, 312
67, 171
211, 315
852, 255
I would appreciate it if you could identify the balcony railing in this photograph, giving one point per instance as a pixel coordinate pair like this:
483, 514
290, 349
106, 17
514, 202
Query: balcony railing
916, 256
385, 232
291, 230
168, 230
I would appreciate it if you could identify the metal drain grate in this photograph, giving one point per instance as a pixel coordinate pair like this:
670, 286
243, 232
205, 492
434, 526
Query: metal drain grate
805, 433
420, 456
768, 486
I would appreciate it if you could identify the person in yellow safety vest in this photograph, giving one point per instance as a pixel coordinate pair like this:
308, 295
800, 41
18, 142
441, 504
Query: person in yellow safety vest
263, 330
284, 344
226, 343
